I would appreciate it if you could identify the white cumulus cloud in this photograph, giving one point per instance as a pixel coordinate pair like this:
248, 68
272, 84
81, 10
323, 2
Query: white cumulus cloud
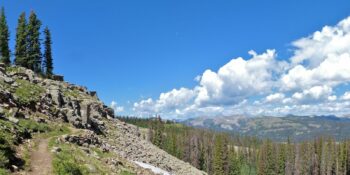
265, 85
238, 79
346, 96
316, 48
275, 97
316, 93
332, 71
321, 58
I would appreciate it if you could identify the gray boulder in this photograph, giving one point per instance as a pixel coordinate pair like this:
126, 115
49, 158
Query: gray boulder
13, 120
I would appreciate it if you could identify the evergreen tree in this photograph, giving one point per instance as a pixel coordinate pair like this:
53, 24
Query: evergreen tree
234, 163
342, 158
33, 43
281, 160
218, 164
157, 139
267, 161
21, 42
201, 157
48, 64
4, 39
290, 157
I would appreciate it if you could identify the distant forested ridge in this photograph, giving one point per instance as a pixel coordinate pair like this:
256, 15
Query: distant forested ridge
220, 153
297, 128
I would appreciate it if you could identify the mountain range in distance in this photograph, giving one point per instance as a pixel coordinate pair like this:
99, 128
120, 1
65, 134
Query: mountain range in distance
297, 128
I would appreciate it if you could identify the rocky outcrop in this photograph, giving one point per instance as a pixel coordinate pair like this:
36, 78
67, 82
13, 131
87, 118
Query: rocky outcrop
23, 93
60, 100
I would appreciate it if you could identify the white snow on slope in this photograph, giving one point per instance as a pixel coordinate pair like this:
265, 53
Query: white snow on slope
152, 168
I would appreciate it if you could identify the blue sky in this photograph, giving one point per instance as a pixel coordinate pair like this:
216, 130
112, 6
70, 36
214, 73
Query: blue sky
131, 51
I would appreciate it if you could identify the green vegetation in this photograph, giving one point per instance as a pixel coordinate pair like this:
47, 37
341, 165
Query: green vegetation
4, 39
226, 154
66, 163
4, 85
33, 43
6, 150
8, 142
28, 44
11, 135
21, 42
26, 157
28, 93
34, 126
56, 130
72, 160
3, 171
213, 152
48, 65
126, 173
13, 69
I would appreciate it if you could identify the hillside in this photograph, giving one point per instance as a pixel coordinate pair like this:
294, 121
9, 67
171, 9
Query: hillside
278, 128
54, 127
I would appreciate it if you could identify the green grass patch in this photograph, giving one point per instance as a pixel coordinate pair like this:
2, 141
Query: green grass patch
3, 172
13, 69
34, 126
8, 142
6, 149
26, 157
57, 130
126, 173
66, 163
71, 160
27, 92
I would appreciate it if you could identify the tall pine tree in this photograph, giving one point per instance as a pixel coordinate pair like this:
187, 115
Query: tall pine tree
48, 64
218, 162
234, 163
4, 39
33, 43
21, 42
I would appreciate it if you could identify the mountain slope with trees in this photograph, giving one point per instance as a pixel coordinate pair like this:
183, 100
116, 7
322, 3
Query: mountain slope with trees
223, 153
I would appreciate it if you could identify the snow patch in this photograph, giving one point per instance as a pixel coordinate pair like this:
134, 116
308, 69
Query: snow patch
154, 169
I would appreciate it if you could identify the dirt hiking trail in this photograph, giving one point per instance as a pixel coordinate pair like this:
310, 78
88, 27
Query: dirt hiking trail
41, 159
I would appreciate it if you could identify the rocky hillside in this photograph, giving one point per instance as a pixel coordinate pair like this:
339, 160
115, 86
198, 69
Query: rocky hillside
278, 128
78, 130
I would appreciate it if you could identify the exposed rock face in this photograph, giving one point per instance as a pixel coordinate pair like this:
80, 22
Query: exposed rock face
56, 95
60, 100
23, 93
